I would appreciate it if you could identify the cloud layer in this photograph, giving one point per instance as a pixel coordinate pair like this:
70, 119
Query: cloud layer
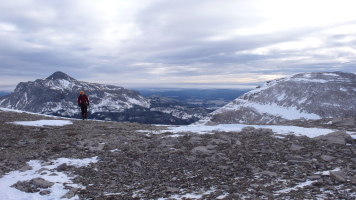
230, 43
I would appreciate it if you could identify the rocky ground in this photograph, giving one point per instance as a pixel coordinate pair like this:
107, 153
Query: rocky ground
250, 164
347, 124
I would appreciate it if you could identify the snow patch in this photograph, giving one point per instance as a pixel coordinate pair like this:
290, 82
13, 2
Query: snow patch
301, 185
302, 100
11, 110
189, 195
46, 171
280, 98
43, 123
279, 130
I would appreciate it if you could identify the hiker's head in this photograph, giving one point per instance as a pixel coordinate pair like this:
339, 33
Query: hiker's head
81, 92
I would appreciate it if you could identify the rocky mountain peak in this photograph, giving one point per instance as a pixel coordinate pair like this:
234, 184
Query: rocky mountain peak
60, 76
57, 95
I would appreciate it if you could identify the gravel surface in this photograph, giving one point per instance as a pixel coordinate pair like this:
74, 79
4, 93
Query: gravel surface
250, 164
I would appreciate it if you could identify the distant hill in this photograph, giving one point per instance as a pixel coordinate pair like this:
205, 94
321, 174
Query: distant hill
206, 98
301, 96
4, 93
58, 93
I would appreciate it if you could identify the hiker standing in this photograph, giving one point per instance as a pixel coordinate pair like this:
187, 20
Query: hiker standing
83, 102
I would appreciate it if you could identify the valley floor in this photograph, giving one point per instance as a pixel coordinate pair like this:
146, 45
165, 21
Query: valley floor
78, 159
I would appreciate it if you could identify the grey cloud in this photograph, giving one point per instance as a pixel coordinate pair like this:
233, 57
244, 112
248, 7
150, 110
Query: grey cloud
180, 38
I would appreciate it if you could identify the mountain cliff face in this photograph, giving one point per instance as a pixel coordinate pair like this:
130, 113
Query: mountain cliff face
58, 93
300, 96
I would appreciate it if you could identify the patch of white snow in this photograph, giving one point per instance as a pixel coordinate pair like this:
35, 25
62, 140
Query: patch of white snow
43, 123
46, 171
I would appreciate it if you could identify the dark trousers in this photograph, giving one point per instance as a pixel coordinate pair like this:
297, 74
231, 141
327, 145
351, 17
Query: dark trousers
84, 109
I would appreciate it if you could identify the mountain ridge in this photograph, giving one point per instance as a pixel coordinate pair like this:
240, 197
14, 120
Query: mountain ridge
313, 95
57, 95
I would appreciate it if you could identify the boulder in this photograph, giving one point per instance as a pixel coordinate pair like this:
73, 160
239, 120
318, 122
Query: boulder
327, 158
41, 183
269, 173
344, 121
295, 147
98, 147
353, 179
314, 177
338, 137
172, 189
296, 160
25, 168
204, 149
62, 167
45, 192
248, 129
211, 123
338, 176
291, 157
34, 185
71, 193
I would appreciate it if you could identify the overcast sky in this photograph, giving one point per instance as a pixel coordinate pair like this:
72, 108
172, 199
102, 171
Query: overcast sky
174, 43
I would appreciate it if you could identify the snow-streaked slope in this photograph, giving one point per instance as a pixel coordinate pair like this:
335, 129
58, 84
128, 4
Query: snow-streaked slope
305, 95
58, 93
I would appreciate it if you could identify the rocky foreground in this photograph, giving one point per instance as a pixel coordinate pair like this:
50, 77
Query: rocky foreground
250, 164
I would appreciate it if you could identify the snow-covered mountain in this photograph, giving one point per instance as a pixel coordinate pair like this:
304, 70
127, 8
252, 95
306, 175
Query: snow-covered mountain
300, 96
58, 93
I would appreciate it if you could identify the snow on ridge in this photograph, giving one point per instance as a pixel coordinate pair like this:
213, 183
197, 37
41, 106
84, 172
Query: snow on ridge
271, 83
310, 80
140, 102
280, 98
234, 105
289, 113
60, 84
2, 101
67, 107
302, 100
332, 104
117, 105
289, 98
307, 78
330, 74
106, 103
175, 112
66, 84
